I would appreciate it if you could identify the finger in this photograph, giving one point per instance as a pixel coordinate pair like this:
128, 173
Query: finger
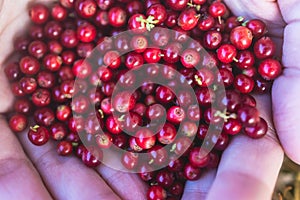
6, 96
286, 106
18, 177
66, 177
128, 185
266, 10
199, 189
249, 168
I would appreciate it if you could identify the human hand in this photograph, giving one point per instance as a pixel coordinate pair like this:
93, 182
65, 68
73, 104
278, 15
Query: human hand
249, 168
39, 173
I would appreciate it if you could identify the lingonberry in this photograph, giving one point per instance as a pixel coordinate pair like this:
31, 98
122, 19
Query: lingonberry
139, 43
191, 173
37, 49
92, 156
76, 124
92, 124
36, 32
46, 79
28, 85
188, 19
18, 122
172, 52
205, 96
232, 126
198, 157
58, 12
129, 160
167, 134
188, 128
69, 38
52, 62
44, 116
81, 69
53, 30
63, 112
64, 148
134, 7
55, 47
85, 8
225, 77
176, 189
152, 55
217, 9
165, 178
80, 104
190, 58
117, 16
258, 130
86, 32
23, 106
134, 60
41, 97
264, 48
175, 114
112, 59
112, 125
58, 131
39, 13
193, 112
245, 59
262, 86
156, 192
158, 155
12, 71
248, 115
104, 140
158, 12
257, 27
145, 138
16, 89
243, 83
212, 39
123, 102
29, 65
226, 53
241, 37
270, 69
206, 22
120, 141
177, 5
38, 135
164, 94
68, 57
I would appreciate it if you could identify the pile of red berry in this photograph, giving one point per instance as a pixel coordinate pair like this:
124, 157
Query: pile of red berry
167, 83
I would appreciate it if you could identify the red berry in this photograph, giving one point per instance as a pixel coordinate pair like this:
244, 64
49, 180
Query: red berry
241, 37
270, 69
38, 135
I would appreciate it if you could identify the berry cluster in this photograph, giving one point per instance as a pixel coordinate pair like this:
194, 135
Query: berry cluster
171, 80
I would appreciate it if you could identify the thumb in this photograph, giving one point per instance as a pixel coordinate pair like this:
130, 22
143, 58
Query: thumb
286, 104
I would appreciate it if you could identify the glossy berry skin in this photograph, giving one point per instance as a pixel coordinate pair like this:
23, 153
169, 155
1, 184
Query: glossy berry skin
135, 25
241, 37
264, 48
123, 102
86, 32
175, 114
232, 126
257, 27
270, 69
258, 130
85, 8
245, 59
206, 22
167, 134
117, 17
18, 122
226, 53
129, 160
217, 9
37, 49
39, 13
198, 157
164, 94
29, 65
52, 62
28, 85
44, 116
152, 55
190, 58
64, 148
165, 178
177, 5
112, 125
156, 192
38, 135
244, 83
69, 38
112, 59
104, 141
58, 131
92, 157
145, 138
23, 106
212, 39
248, 115
158, 11
188, 19
81, 69
58, 12
41, 97
191, 173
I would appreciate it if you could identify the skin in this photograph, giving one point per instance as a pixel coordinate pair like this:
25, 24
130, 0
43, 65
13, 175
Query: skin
248, 167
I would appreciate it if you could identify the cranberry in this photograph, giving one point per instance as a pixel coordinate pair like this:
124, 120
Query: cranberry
12, 71
206, 23
152, 55
167, 134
